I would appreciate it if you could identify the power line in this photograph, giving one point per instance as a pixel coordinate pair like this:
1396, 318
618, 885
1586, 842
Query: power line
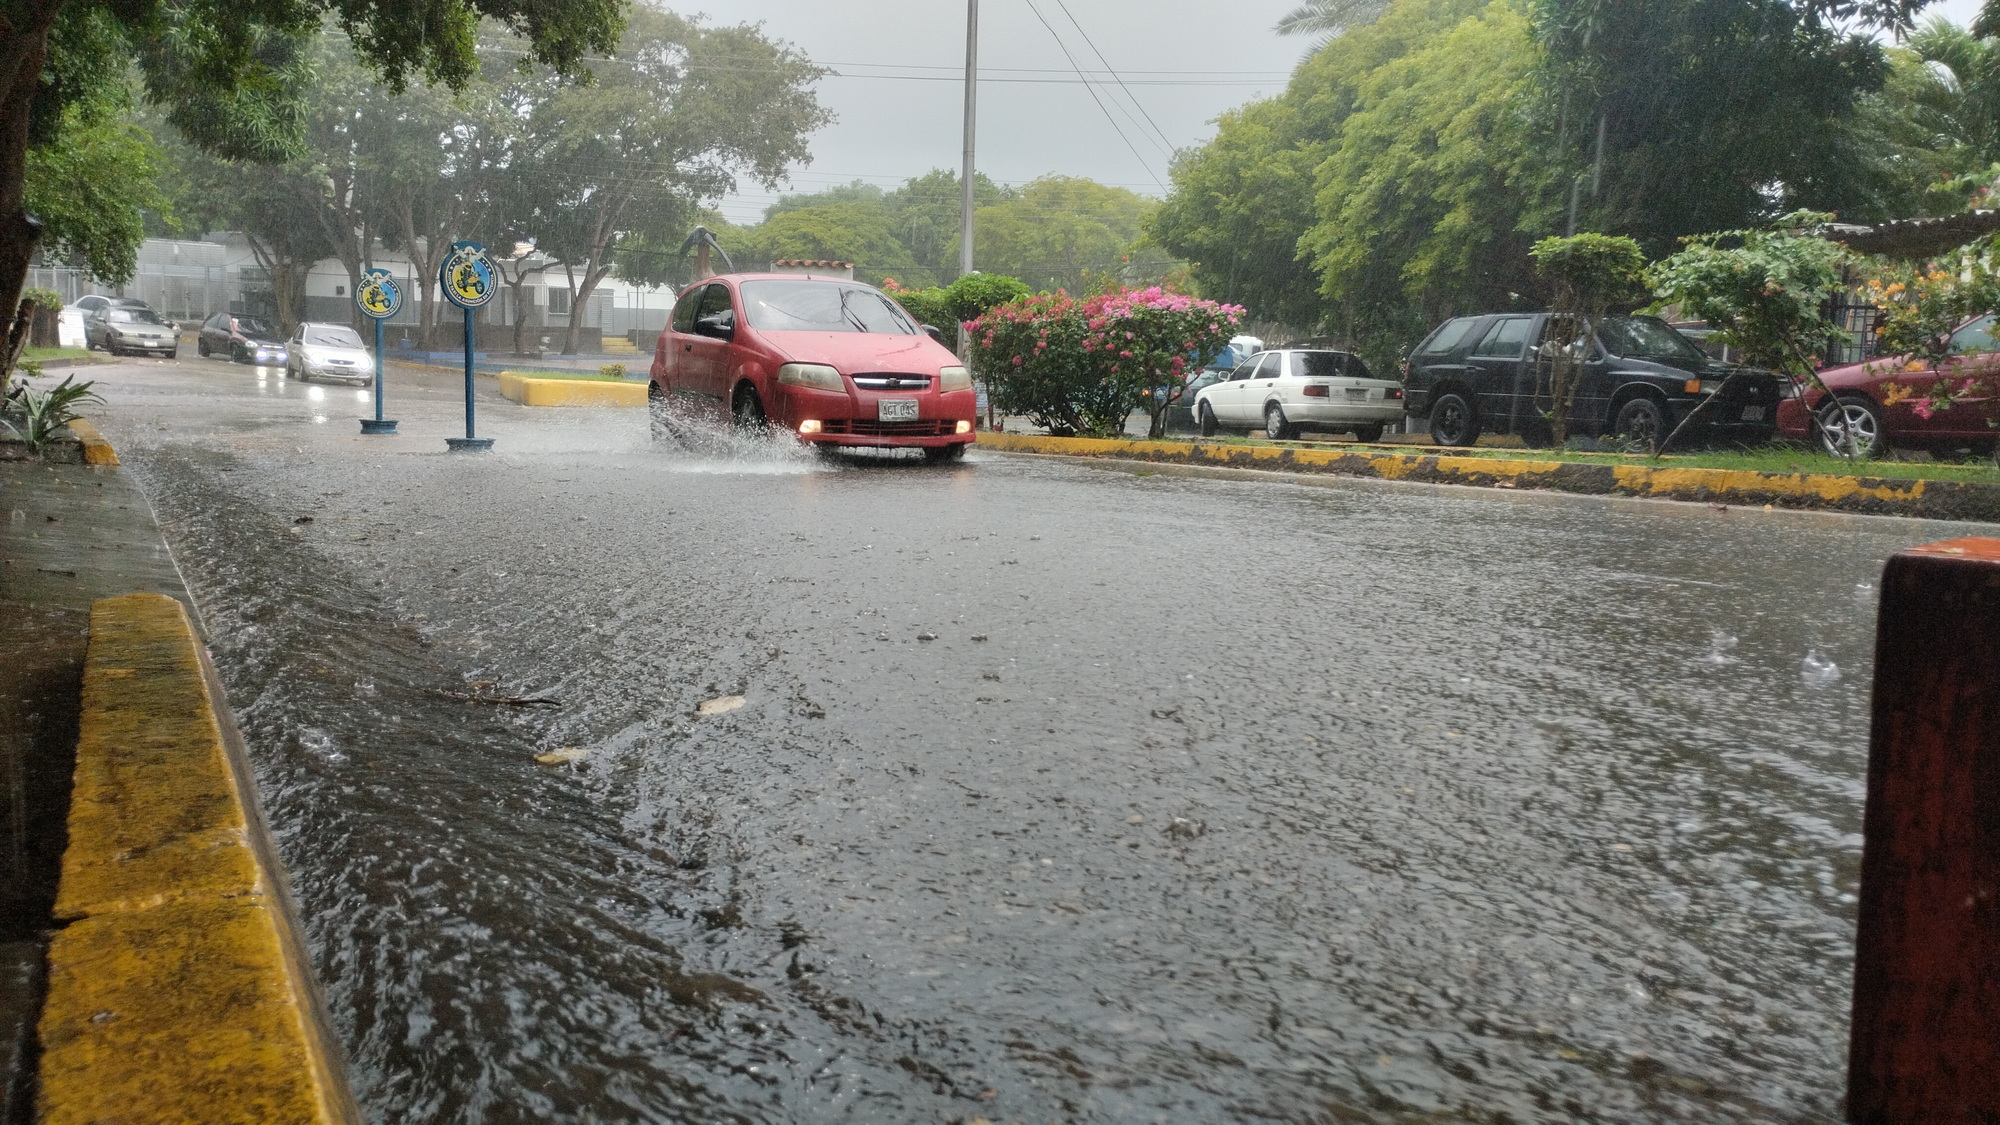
1064, 47
1121, 81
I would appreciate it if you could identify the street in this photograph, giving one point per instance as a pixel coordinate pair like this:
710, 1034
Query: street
1059, 791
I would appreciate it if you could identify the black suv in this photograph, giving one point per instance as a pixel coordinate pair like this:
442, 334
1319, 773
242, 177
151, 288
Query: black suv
1481, 374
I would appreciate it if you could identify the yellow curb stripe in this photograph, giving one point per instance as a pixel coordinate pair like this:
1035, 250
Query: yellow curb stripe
176, 992
553, 391
96, 451
1933, 499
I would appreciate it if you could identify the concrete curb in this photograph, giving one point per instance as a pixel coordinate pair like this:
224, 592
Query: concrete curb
96, 451
179, 990
1924, 499
539, 390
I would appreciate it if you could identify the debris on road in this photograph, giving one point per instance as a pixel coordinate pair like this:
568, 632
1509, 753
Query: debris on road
720, 706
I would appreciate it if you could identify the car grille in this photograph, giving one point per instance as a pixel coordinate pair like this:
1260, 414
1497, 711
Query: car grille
867, 427
890, 381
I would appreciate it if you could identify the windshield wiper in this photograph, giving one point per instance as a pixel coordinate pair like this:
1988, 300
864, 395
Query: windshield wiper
849, 313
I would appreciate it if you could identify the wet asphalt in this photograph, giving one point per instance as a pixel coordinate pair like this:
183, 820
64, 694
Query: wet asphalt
1059, 792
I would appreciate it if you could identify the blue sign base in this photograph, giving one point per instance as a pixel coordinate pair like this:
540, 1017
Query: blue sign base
378, 425
469, 444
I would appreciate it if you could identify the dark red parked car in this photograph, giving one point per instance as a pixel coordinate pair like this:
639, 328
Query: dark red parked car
836, 362
1886, 403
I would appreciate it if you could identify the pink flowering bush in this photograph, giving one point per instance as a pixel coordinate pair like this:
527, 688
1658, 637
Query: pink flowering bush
1082, 364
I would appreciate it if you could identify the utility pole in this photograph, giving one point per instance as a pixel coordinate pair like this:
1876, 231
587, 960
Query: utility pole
971, 114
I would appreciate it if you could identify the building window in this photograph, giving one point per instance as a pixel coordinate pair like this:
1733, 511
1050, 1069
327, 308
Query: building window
558, 301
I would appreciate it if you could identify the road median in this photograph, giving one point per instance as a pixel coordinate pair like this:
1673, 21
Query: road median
1926, 499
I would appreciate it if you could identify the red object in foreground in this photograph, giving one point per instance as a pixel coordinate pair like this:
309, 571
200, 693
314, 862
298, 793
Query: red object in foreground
1925, 1045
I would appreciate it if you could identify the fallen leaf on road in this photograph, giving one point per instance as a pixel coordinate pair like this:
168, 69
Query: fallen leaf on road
720, 706
566, 754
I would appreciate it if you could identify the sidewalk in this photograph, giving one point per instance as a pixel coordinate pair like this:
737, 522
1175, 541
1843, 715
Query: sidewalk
69, 535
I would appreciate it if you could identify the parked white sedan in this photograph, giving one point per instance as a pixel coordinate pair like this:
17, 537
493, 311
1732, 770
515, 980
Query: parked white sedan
1287, 390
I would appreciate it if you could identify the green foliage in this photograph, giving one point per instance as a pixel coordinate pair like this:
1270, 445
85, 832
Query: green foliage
35, 416
1764, 291
971, 295
1592, 273
852, 232
43, 298
1589, 275
926, 306
1084, 364
1052, 230
612, 371
1720, 113
92, 192
968, 297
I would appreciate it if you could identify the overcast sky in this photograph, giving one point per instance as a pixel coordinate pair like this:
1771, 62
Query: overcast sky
1184, 61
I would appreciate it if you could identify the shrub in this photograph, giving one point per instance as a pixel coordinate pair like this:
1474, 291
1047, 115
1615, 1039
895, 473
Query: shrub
612, 371
1591, 274
1082, 365
44, 298
35, 416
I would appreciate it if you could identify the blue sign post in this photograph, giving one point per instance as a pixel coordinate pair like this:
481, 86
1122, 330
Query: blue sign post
379, 297
467, 278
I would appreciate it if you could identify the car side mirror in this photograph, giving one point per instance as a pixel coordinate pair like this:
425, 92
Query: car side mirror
933, 332
721, 325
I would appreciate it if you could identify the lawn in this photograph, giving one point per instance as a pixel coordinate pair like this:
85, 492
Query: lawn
55, 353
1765, 459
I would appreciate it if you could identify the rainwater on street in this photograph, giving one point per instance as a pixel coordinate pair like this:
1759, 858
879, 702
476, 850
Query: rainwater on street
1059, 792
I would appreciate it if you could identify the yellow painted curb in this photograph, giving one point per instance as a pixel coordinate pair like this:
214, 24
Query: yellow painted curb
178, 992
96, 451
1970, 500
531, 390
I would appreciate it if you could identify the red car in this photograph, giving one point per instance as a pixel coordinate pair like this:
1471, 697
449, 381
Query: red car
834, 361
1887, 404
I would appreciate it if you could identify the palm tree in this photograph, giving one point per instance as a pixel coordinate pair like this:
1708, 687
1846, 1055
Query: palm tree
1327, 20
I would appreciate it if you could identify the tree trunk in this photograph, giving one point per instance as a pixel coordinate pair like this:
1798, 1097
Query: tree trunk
24, 44
569, 329
580, 302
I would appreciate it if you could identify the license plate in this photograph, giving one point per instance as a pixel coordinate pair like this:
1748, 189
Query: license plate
1357, 392
1753, 414
896, 410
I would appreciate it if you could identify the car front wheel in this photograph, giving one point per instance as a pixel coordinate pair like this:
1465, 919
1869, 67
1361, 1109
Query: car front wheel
1206, 424
944, 454
1275, 426
1453, 421
1852, 427
749, 413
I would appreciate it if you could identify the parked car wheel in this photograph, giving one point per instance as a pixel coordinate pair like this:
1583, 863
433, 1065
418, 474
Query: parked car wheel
1275, 426
1854, 418
1368, 434
201, 348
944, 454
1453, 421
1641, 424
1207, 420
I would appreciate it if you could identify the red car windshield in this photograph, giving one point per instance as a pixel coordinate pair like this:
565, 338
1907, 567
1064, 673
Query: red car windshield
820, 306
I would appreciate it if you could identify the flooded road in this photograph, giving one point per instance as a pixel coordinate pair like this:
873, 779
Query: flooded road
1059, 793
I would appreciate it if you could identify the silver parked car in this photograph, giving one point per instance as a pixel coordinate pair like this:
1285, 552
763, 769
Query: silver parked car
1286, 390
328, 351
131, 329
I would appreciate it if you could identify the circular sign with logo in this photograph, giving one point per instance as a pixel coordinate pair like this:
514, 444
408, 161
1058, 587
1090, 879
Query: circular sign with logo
467, 275
378, 294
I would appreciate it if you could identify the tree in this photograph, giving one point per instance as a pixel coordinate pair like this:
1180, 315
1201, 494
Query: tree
1239, 206
91, 194
1053, 230
1428, 203
1588, 275
858, 232
1326, 20
1713, 114
229, 75
1765, 291
666, 126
